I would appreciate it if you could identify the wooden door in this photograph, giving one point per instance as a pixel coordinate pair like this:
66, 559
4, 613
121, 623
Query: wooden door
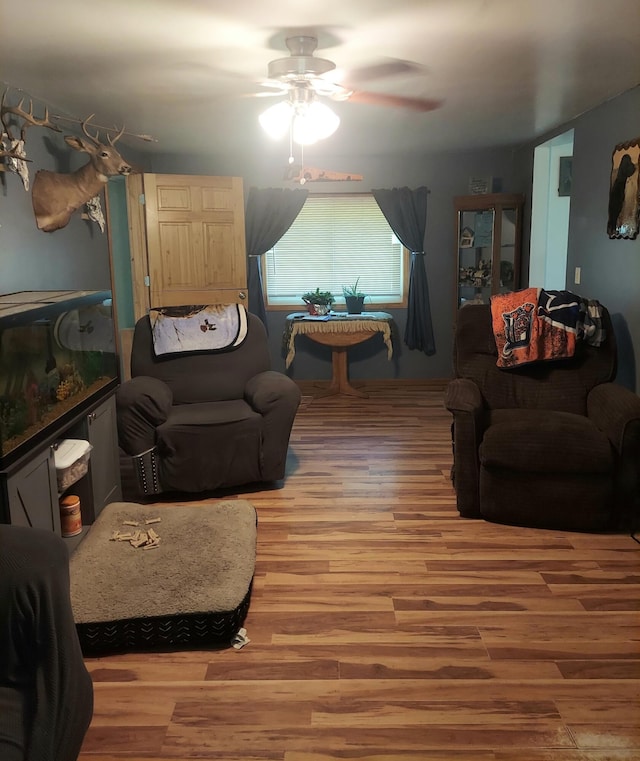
193, 241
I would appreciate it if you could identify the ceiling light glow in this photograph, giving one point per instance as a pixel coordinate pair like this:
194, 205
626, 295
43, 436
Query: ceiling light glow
306, 121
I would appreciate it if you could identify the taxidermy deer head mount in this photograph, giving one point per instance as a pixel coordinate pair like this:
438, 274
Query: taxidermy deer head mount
56, 196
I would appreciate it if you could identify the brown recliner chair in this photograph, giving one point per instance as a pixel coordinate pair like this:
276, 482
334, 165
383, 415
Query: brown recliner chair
550, 444
197, 422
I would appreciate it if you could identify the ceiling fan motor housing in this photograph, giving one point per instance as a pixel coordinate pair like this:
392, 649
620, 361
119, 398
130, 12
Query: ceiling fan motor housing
301, 63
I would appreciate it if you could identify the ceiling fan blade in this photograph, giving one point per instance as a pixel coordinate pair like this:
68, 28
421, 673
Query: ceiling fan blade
271, 88
303, 72
274, 84
265, 94
390, 68
395, 101
329, 89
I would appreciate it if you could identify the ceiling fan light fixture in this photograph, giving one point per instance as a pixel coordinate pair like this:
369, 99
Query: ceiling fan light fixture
307, 122
313, 122
276, 120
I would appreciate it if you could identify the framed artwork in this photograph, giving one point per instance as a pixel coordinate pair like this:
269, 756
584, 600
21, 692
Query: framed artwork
480, 185
564, 175
624, 191
466, 237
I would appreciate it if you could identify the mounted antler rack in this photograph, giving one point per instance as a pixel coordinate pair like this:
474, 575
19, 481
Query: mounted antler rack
32, 121
15, 151
71, 120
29, 119
12, 153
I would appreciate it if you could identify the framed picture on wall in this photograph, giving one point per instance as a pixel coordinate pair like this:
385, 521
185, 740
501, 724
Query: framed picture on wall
624, 191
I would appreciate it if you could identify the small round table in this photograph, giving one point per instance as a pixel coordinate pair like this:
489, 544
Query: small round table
339, 343
338, 331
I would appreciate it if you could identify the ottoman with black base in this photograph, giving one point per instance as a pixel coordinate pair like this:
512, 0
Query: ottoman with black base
193, 590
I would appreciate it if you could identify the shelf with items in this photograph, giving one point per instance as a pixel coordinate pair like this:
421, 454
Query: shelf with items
488, 235
30, 490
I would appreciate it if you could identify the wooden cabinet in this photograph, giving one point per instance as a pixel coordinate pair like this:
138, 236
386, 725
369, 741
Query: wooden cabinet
187, 240
29, 489
488, 246
31, 493
104, 462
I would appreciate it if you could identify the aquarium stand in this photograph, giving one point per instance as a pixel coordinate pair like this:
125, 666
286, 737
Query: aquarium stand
29, 489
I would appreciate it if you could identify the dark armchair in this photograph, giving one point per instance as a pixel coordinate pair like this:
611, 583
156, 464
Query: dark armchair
550, 444
196, 422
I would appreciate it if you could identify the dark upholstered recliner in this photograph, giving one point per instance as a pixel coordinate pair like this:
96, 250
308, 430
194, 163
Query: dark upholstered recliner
197, 422
550, 444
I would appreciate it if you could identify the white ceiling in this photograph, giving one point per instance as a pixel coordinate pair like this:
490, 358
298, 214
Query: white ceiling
506, 71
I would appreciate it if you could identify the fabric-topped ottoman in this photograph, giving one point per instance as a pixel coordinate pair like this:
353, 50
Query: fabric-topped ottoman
192, 589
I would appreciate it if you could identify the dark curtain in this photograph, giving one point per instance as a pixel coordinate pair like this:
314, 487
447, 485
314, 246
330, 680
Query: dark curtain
269, 214
406, 213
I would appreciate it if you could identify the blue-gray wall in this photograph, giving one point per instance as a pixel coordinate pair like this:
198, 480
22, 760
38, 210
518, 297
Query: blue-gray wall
446, 175
73, 258
610, 268
77, 257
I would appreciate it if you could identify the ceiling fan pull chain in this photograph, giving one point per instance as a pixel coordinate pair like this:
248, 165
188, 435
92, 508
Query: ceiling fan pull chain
291, 159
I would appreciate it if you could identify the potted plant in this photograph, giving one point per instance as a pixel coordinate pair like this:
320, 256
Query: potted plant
354, 299
318, 302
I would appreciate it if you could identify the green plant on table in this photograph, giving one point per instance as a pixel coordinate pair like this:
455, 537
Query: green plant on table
352, 290
323, 298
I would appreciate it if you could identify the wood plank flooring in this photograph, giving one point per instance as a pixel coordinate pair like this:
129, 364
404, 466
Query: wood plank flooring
384, 627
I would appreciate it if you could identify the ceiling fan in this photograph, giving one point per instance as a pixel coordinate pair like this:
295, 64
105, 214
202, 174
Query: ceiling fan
302, 75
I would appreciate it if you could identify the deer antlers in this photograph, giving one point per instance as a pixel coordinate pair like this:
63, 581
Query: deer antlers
95, 138
12, 153
29, 119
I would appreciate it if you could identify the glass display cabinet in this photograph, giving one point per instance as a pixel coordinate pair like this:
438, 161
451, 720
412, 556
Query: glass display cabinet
488, 244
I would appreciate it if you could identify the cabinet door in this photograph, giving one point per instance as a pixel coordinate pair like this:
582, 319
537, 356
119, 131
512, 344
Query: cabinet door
475, 255
104, 466
194, 241
32, 494
488, 234
506, 272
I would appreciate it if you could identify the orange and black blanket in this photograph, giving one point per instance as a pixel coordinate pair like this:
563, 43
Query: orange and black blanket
534, 325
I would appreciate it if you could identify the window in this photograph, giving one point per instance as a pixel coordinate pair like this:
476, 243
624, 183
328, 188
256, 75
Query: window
334, 241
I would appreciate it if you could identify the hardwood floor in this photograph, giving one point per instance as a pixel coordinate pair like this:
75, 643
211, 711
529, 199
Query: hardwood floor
383, 626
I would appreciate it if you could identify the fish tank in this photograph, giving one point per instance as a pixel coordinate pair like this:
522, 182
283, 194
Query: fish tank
57, 357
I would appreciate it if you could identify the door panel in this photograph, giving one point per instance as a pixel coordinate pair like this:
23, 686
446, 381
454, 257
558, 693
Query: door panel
195, 239
33, 494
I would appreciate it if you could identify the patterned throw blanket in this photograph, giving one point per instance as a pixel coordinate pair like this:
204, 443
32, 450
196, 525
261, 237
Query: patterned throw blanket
207, 328
533, 325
